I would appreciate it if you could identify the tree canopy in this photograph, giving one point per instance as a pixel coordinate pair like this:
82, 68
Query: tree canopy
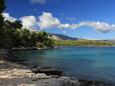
2, 8
12, 35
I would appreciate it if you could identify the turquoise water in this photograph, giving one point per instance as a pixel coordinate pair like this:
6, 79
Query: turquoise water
97, 63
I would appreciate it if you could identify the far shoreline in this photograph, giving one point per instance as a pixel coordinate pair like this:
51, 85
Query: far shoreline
55, 47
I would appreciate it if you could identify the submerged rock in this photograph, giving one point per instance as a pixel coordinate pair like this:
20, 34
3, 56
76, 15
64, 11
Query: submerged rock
47, 70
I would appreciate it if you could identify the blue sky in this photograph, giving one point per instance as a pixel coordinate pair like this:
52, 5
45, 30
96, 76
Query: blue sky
94, 19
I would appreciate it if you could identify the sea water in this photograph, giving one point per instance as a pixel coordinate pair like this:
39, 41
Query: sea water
93, 63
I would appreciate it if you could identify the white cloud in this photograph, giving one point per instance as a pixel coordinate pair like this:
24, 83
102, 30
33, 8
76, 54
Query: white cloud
8, 17
64, 26
99, 26
28, 22
70, 19
46, 20
38, 1
42, 1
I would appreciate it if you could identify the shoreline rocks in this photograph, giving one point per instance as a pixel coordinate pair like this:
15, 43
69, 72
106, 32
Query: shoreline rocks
30, 48
15, 74
12, 74
47, 70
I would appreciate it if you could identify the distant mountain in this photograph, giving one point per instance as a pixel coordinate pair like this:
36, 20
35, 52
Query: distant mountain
112, 41
63, 37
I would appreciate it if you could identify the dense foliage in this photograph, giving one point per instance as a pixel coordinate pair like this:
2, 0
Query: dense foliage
82, 43
2, 7
12, 35
25, 38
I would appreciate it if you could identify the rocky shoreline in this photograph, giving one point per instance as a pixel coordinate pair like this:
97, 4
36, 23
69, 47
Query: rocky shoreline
14, 74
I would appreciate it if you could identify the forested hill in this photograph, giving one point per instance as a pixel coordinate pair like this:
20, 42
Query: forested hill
65, 37
63, 40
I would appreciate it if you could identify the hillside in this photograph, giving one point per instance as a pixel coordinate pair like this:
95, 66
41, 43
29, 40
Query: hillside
63, 37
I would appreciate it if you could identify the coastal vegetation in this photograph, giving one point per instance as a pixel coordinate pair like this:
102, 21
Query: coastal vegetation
13, 35
25, 38
82, 43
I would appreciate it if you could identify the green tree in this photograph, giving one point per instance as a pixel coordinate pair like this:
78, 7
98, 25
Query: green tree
44, 39
13, 25
33, 38
2, 7
16, 38
25, 37
12, 35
